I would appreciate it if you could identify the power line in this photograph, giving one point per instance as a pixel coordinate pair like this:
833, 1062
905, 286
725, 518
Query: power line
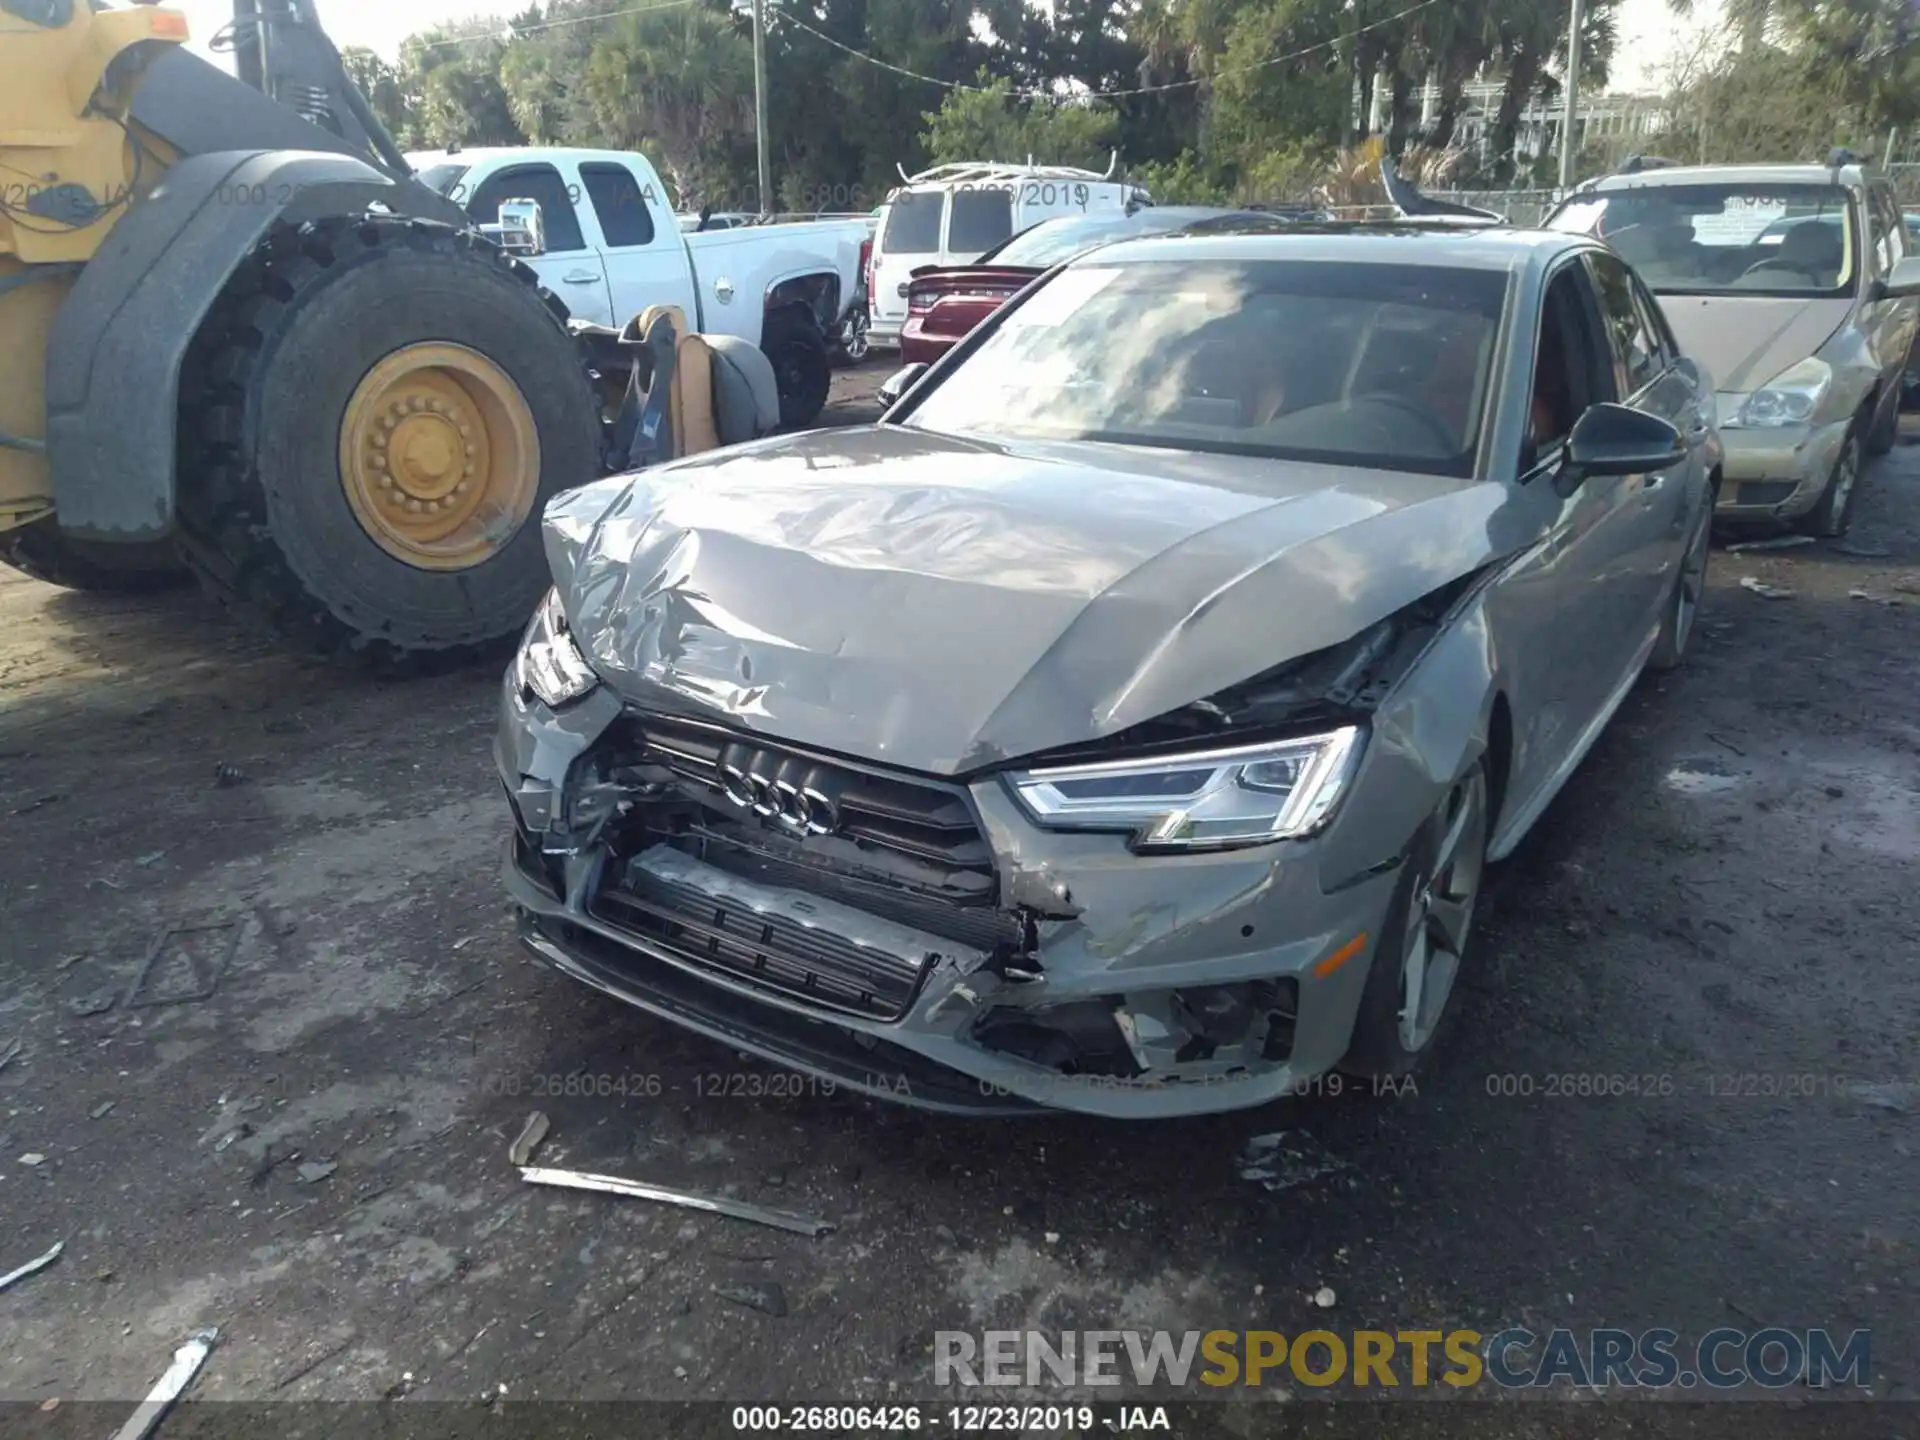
1272, 60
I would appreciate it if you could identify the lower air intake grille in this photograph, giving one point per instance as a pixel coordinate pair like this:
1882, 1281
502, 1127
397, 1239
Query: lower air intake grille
796, 944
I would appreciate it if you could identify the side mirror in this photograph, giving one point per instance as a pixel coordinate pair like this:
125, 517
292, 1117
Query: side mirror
1619, 440
1904, 280
522, 229
901, 381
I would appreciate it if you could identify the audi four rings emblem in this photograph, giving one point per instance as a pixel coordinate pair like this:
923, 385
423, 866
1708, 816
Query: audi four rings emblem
799, 808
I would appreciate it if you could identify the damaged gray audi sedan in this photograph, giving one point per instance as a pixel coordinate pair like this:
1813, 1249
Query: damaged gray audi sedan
1125, 723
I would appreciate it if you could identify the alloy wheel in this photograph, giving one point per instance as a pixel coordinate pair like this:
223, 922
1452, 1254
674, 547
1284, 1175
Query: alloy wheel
853, 336
1441, 913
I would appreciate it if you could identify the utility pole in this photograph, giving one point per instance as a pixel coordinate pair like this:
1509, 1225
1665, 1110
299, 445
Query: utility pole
1569, 140
760, 102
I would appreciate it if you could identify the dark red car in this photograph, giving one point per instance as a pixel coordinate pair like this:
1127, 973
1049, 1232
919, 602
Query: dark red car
945, 302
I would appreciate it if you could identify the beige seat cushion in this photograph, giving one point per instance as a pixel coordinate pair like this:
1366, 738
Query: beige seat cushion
690, 404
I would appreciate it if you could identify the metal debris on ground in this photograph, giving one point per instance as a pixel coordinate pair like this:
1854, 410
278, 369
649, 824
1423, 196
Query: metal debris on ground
1893, 1095
239, 1132
531, 1134
14, 1047
34, 1266
314, 1171
33, 1159
1764, 590
1286, 1158
99, 1111
94, 1002
187, 1361
203, 961
1779, 542
765, 1296
716, 1205
1887, 600
226, 775
67, 962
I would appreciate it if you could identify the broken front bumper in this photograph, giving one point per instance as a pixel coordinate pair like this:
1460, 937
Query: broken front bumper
1086, 978
1776, 472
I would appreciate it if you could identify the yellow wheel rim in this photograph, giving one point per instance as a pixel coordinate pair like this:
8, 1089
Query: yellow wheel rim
439, 457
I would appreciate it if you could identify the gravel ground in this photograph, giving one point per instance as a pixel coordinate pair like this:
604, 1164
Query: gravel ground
314, 1159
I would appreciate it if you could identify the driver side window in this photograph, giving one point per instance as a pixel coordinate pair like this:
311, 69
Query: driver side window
1567, 376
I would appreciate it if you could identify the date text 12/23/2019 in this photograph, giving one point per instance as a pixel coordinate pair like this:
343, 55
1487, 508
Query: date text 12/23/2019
948, 1420
644, 1085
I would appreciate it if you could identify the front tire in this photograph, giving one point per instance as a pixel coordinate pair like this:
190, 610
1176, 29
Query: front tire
1683, 606
1886, 422
1423, 943
1834, 513
42, 551
373, 419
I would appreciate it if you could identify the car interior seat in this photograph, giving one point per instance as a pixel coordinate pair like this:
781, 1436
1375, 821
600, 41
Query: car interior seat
685, 392
1812, 251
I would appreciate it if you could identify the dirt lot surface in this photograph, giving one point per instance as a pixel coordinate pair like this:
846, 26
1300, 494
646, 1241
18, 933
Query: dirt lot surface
1719, 911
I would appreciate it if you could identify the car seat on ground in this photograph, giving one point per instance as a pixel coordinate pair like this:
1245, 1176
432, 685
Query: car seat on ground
685, 392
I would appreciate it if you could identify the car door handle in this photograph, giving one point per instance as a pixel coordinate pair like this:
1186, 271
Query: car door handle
581, 277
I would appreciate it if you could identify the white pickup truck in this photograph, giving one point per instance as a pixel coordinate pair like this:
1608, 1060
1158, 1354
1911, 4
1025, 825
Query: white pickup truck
612, 245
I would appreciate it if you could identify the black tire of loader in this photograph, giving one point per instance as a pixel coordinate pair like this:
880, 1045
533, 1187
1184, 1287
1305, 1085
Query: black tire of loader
263, 516
137, 568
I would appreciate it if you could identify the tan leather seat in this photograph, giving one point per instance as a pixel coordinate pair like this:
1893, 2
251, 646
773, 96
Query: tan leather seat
690, 400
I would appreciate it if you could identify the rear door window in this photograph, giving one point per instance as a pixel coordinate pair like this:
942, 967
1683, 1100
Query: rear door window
981, 220
539, 183
913, 223
618, 204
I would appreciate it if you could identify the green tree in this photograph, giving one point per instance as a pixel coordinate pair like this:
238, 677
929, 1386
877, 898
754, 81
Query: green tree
454, 70
385, 87
677, 84
991, 123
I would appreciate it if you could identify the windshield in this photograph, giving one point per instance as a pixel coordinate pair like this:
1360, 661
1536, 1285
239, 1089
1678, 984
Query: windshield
441, 178
1725, 239
1047, 244
1378, 365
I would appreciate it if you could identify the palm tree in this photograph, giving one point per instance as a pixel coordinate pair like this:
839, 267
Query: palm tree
1749, 19
678, 83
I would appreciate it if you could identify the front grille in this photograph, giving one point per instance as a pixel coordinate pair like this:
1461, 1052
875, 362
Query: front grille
814, 949
928, 823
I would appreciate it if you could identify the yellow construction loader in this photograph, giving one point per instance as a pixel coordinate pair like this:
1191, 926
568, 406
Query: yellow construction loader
238, 340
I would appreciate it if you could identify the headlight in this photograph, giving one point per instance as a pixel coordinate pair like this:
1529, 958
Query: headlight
1790, 398
550, 663
1210, 799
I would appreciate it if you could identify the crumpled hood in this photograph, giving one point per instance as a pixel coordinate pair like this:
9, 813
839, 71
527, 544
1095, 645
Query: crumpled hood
1746, 340
939, 604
